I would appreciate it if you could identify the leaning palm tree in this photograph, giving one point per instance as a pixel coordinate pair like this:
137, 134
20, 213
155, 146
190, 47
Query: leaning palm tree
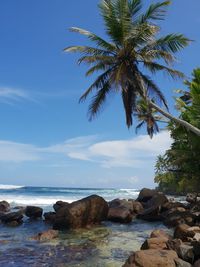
133, 51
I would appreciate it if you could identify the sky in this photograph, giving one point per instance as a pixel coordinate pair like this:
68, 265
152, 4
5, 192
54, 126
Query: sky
45, 136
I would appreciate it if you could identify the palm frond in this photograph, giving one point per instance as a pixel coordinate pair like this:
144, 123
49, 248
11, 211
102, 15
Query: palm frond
155, 11
98, 83
135, 7
86, 50
95, 38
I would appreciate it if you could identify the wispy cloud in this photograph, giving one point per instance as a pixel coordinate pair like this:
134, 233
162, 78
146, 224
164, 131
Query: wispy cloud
10, 95
134, 153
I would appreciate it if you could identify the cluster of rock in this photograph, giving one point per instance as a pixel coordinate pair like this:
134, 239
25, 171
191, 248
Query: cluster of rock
160, 249
182, 250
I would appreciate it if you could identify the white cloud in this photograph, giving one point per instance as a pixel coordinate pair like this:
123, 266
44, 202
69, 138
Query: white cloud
10, 95
134, 153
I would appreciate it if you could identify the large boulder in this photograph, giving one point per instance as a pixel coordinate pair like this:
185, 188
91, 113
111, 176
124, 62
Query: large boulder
33, 212
152, 258
146, 194
185, 252
185, 232
182, 263
12, 218
120, 211
85, 212
50, 217
160, 233
4, 206
158, 199
150, 214
174, 218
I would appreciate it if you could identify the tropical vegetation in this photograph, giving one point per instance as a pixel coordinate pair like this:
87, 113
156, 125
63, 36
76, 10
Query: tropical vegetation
126, 61
178, 170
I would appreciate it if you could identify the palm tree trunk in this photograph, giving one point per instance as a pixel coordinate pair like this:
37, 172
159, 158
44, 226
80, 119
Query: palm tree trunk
185, 124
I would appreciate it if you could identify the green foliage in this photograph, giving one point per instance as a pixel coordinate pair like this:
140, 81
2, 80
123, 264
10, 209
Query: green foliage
179, 169
133, 50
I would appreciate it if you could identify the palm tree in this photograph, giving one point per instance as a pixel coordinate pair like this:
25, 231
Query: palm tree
132, 48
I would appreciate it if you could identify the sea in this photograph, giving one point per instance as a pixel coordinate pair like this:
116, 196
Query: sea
107, 245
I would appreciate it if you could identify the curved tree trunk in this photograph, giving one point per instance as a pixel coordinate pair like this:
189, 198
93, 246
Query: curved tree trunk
185, 124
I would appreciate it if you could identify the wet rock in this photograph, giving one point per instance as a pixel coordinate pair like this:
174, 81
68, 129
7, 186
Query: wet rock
33, 212
120, 211
46, 236
155, 243
175, 218
185, 252
12, 218
146, 194
137, 207
4, 206
186, 233
87, 211
150, 214
174, 244
158, 199
182, 263
59, 204
50, 217
152, 258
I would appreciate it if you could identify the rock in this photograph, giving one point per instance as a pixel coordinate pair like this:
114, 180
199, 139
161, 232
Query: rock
158, 199
33, 212
175, 218
174, 244
4, 206
191, 197
173, 206
196, 237
46, 236
12, 218
155, 243
120, 211
137, 207
197, 263
185, 232
85, 212
150, 214
159, 233
196, 249
181, 263
185, 252
152, 258
120, 215
50, 217
60, 204
146, 194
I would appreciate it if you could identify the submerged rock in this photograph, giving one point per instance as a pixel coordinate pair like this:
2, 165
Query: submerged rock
46, 236
33, 212
85, 212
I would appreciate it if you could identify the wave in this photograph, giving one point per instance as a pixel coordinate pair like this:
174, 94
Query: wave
10, 187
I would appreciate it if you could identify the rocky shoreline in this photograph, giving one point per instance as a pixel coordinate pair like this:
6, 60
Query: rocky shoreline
160, 249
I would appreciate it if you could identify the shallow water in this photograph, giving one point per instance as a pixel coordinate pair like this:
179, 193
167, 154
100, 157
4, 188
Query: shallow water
108, 245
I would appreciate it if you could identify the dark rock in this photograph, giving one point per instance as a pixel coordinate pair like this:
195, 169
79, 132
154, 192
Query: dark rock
46, 236
191, 197
85, 212
185, 252
146, 194
33, 212
12, 218
172, 206
197, 263
182, 232
120, 211
158, 199
196, 249
174, 244
4, 206
50, 217
152, 258
60, 204
174, 218
150, 214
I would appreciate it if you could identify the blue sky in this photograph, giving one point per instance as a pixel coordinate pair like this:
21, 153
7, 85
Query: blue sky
45, 137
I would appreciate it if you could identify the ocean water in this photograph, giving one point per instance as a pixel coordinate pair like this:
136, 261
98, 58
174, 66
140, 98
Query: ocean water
107, 245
